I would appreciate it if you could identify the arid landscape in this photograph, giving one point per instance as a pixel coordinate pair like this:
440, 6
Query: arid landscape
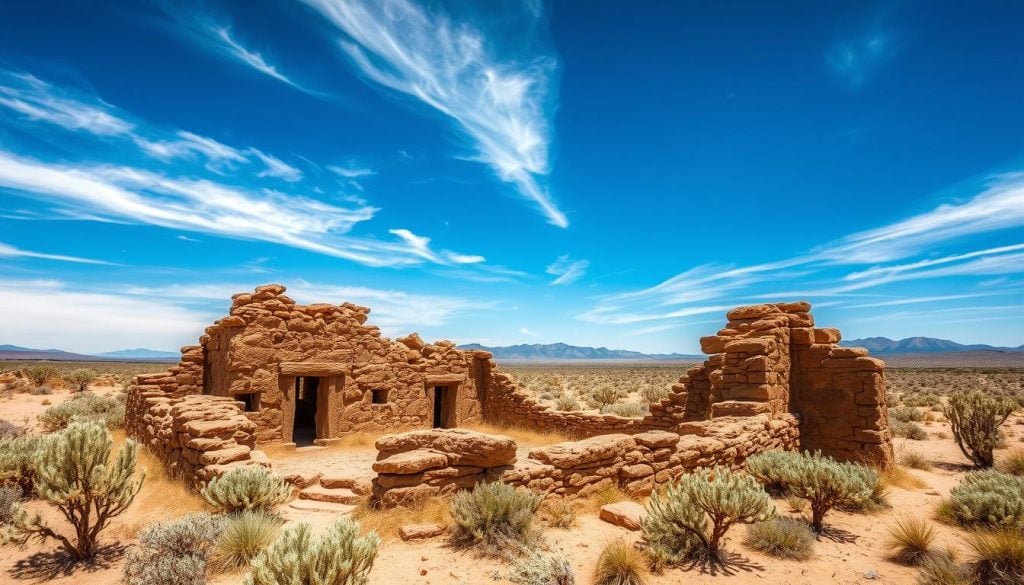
855, 550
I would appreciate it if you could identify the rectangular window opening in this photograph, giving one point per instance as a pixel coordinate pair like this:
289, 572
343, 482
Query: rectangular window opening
379, 396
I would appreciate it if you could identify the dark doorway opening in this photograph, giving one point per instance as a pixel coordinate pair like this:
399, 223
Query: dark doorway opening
306, 390
444, 403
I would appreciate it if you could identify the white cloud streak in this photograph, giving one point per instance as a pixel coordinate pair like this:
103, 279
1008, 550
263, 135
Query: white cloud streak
223, 38
566, 270
41, 102
447, 65
7, 251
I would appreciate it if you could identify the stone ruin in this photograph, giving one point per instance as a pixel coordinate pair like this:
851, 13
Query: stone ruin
276, 372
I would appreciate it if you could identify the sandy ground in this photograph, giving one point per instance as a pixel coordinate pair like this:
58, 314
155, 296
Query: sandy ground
854, 554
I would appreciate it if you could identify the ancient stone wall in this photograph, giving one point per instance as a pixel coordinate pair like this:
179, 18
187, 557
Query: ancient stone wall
197, 437
439, 462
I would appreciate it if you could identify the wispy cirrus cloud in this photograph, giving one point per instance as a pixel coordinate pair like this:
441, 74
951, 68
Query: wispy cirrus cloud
223, 37
857, 60
566, 270
276, 167
7, 251
502, 103
135, 195
996, 206
39, 101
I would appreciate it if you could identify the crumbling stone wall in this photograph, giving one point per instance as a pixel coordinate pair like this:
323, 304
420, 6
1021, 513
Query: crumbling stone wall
197, 437
431, 463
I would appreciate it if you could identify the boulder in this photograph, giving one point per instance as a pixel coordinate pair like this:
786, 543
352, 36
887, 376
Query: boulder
420, 531
411, 462
629, 515
460, 446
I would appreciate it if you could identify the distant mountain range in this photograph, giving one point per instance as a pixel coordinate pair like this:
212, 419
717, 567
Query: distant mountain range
16, 352
562, 351
884, 345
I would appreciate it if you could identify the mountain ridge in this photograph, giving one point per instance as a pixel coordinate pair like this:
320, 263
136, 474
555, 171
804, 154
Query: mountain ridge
885, 345
563, 351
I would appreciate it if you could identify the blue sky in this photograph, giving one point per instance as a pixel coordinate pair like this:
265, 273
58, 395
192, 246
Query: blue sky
598, 173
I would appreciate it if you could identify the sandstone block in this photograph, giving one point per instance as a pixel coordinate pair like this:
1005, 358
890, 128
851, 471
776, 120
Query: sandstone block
420, 531
629, 515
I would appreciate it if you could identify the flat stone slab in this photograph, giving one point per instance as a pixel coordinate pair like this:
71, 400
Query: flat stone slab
333, 495
629, 515
411, 462
316, 506
420, 531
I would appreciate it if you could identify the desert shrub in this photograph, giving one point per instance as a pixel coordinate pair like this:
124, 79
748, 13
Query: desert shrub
75, 473
9, 498
80, 379
10, 430
907, 430
988, 498
910, 541
770, 468
42, 391
84, 407
824, 482
925, 399
38, 375
906, 414
568, 403
688, 518
915, 460
559, 513
892, 399
18, 459
1013, 462
604, 395
942, 570
540, 569
654, 394
244, 536
975, 419
879, 498
173, 552
495, 517
625, 409
997, 557
339, 556
780, 537
620, 564
251, 488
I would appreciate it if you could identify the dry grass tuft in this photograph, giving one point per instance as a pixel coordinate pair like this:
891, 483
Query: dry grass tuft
608, 495
781, 537
897, 476
1012, 462
524, 437
387, 521
621, 564
997, 557
910, 541
161, 498
915, 460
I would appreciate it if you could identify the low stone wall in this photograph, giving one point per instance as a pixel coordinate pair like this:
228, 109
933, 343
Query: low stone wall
196, 437
431, 463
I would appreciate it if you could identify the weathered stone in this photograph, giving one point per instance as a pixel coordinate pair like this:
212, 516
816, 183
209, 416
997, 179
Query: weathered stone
409, 462
420, 531
629, 515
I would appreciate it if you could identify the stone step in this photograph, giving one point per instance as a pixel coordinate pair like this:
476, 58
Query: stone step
315, 506
333, 495
360, 485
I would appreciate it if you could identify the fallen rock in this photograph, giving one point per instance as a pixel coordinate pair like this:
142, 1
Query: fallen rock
629, 515
420, 531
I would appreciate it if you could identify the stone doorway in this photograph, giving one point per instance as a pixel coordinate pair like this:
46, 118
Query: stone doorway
444, 407
307, 392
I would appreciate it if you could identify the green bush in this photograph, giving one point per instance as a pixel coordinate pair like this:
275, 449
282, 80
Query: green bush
9, 498
926, 399
18, 459
251, 488
907, 430
244, 536
771, 469
339, 556
495, 516
568, 403
822, 481
80, 379
988, 498
780, 537
174, 552
625, 409
620, 564
688, 518
39, 374
540, 569
906, 414
604, 395
74, 473
83, 407
975, 418
653, 394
